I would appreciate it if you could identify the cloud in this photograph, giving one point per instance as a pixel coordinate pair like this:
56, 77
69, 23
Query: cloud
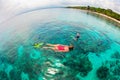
108, 4
9, 8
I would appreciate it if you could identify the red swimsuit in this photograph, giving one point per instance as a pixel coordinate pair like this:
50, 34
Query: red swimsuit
60, 47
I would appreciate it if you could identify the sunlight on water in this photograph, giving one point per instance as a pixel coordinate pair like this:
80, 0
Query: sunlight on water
96, 55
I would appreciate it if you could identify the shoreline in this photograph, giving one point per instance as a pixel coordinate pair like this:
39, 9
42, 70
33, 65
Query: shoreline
117, 22
106, 16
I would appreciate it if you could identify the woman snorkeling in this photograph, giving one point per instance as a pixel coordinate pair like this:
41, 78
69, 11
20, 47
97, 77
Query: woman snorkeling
59, 47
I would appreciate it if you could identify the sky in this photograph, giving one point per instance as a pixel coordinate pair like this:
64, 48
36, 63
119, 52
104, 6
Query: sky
9, 8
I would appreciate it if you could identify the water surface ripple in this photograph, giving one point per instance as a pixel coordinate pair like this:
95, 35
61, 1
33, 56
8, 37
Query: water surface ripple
96, 55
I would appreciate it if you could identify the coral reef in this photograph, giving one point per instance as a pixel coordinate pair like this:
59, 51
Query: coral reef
110, 70
116, 55
102, 72
28, 65
3, 76
15, 74
81, 65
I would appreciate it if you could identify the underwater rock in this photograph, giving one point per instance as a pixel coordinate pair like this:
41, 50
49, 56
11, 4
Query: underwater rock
116, 55
102, 72
3, 76
15, 74
82, 65
71, 75
85, 66
113, 78
3, 59
116, 70
7, 59
27, 65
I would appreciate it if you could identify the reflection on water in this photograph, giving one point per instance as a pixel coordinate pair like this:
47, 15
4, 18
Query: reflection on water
96, 55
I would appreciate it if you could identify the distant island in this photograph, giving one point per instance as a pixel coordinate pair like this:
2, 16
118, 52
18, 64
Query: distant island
107, 12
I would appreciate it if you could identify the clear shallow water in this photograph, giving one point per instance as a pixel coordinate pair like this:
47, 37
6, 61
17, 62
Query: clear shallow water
96, 55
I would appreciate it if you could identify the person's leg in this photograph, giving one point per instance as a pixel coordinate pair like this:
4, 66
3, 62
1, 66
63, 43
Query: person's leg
50, 45
52, 48
47, 47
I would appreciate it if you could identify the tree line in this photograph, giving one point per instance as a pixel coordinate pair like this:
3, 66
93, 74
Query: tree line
107, 12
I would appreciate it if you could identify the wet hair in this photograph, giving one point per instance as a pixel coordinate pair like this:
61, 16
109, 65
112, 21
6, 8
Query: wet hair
71, 47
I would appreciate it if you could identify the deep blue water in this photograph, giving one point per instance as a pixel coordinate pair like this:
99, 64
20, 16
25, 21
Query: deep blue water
96, 55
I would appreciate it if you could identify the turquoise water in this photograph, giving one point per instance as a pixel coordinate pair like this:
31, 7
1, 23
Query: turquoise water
96, 55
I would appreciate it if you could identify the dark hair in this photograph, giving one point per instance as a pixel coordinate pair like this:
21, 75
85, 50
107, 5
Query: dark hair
71, 47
